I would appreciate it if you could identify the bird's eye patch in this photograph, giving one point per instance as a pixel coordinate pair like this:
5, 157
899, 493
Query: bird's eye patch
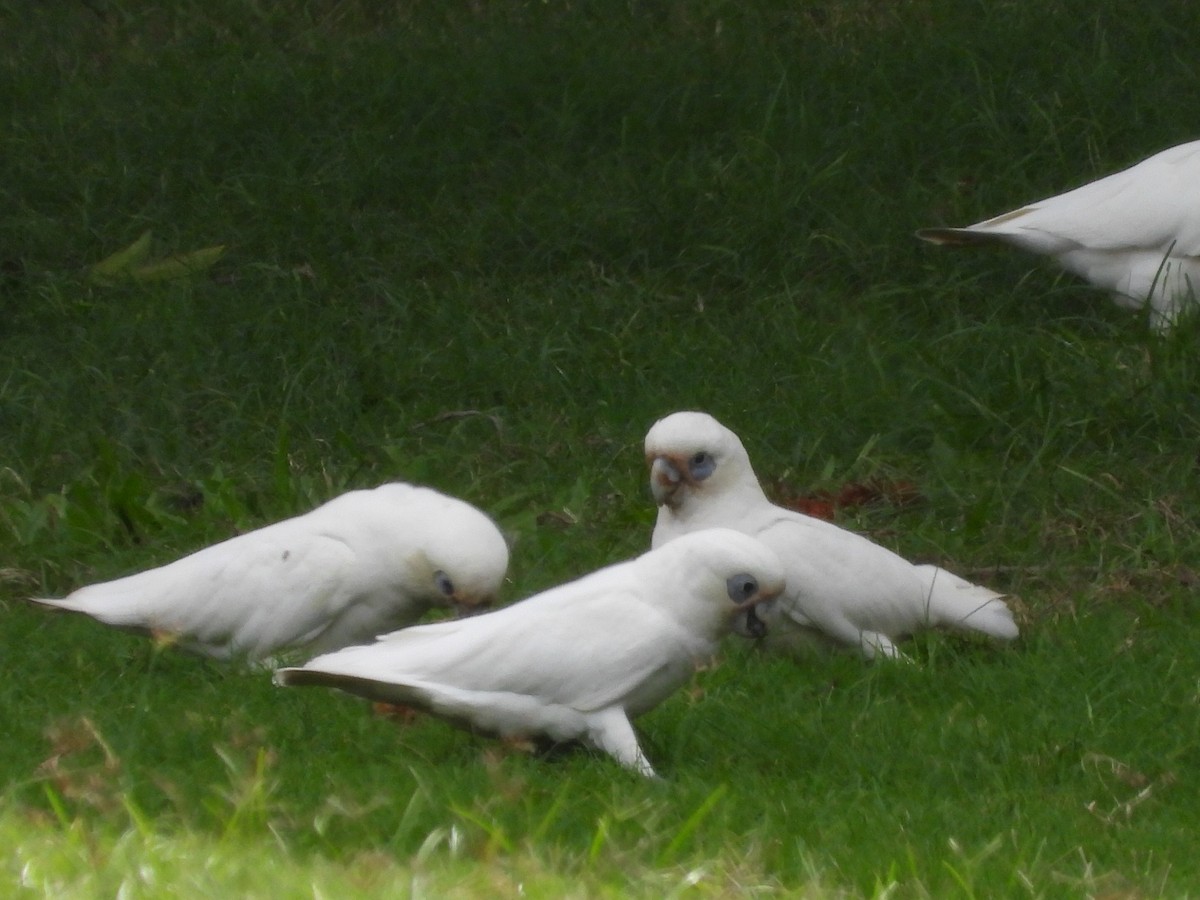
443, 582
741, 587
701, 465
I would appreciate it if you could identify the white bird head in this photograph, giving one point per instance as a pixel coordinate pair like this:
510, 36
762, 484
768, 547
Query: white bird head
460, 557
692, 454
724, 574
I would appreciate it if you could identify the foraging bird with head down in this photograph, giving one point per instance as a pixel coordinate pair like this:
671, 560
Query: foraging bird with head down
365, 562
574, 663
1135, 233
840, 585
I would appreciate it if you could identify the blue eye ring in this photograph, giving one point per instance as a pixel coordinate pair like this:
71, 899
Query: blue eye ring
443, 582
741, 587
701, 465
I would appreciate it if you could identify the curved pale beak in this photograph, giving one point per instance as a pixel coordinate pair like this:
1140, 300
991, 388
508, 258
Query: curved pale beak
465, 605
665, 479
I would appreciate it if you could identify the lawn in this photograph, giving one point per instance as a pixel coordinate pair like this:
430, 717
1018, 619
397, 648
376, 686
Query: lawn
484, 246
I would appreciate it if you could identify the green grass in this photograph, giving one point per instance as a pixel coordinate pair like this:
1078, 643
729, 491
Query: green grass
484, 247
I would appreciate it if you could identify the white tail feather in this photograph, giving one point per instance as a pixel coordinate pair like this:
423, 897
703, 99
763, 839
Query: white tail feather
957, 603
103, 606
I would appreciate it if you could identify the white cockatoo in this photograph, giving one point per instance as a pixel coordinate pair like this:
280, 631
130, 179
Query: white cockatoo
362, 563
1135, 233
840, 585
576, 662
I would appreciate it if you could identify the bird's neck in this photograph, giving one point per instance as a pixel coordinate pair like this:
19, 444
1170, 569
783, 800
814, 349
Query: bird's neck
721, 507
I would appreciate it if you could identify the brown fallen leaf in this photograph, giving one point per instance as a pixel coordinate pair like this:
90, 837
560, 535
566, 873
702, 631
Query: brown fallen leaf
825, 504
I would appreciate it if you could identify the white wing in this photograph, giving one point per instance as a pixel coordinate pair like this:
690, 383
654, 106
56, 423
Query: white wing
316, 576
585, 645
1150, 206
863, 594
251, 594
842, 582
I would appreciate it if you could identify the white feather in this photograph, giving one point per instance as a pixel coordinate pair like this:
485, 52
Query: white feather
576, 662
365, 562
1135, 233
840, 585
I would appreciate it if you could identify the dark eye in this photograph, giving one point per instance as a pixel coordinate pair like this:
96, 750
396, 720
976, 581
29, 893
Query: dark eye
741, 587
443, 582
701, 465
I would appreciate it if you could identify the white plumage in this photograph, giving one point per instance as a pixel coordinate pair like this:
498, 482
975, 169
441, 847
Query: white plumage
365, 562
839, 584
1135, 233
574, 663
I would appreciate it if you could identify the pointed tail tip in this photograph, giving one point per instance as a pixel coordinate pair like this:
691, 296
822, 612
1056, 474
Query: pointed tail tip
290, 676
957, 603
994, 619
1004, 628
62, 604
304, 676
958, 237
301, 676
945, 237
932, 235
